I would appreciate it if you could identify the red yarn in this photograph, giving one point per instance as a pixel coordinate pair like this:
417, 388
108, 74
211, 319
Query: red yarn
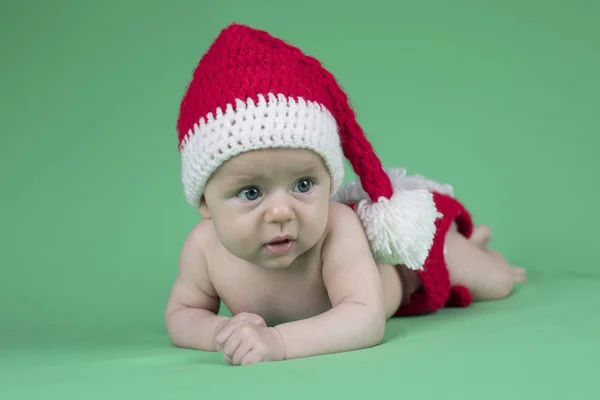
460, 296
243, 62
436, 291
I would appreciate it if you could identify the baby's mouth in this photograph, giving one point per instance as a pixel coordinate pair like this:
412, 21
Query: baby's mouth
280, 241
280, 245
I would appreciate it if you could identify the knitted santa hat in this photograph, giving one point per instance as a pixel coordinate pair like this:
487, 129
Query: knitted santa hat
251, 91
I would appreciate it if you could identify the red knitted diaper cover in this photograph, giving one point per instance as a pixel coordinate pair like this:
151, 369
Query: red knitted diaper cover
436, 291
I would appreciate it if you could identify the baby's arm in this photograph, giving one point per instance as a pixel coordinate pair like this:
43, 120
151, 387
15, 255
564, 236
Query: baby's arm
191, 311
357, 318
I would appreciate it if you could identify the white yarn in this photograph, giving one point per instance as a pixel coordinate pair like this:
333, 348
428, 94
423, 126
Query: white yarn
400, 230
279, 122
353, 192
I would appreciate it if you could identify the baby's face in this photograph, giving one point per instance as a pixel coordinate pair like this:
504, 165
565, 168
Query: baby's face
269, 206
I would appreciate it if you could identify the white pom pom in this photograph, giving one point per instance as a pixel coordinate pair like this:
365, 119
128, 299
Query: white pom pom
401, 229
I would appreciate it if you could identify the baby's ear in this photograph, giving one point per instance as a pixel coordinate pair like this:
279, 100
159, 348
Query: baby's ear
203, 209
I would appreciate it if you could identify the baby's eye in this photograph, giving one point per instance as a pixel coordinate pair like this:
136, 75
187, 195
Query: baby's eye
249, 193
303, 185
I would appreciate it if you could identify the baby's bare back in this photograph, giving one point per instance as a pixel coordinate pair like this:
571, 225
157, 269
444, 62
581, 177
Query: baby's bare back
279, 296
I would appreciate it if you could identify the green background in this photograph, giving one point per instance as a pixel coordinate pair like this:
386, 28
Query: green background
500, 99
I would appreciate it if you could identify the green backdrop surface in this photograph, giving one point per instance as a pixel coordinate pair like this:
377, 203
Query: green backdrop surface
499, 99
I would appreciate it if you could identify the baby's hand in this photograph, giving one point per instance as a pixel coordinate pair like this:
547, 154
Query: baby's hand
246, 339
253, 319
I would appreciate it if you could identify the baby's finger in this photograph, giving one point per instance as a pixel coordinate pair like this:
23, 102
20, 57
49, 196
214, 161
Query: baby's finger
231, 345
252, 357
244, 348
230, 329
226, 331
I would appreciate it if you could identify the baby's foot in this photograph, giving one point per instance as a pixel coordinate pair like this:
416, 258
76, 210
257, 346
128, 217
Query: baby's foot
484, 272
517, 274
481, 236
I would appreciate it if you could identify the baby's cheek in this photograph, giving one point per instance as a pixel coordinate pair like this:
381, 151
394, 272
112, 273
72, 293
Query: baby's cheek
316, 223
240, 231
226, 228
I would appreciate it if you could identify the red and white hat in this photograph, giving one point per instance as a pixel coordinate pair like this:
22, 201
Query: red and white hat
252, 91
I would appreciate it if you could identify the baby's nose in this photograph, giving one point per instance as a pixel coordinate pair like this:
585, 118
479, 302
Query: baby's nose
280, 211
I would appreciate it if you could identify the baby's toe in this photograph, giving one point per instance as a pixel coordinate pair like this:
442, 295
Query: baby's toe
518, 274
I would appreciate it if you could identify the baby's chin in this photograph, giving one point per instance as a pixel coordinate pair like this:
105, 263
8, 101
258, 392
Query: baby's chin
274, 256
268, 260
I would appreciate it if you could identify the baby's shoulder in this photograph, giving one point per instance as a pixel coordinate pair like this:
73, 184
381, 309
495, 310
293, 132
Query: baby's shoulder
202, 232
346, 246
196, 259
344, 226
342, 216
199, 244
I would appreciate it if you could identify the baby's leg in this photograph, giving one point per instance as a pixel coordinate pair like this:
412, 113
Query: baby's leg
470, 263
481, 237
483, 271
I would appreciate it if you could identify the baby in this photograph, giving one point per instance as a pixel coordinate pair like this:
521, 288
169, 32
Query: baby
306, 266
